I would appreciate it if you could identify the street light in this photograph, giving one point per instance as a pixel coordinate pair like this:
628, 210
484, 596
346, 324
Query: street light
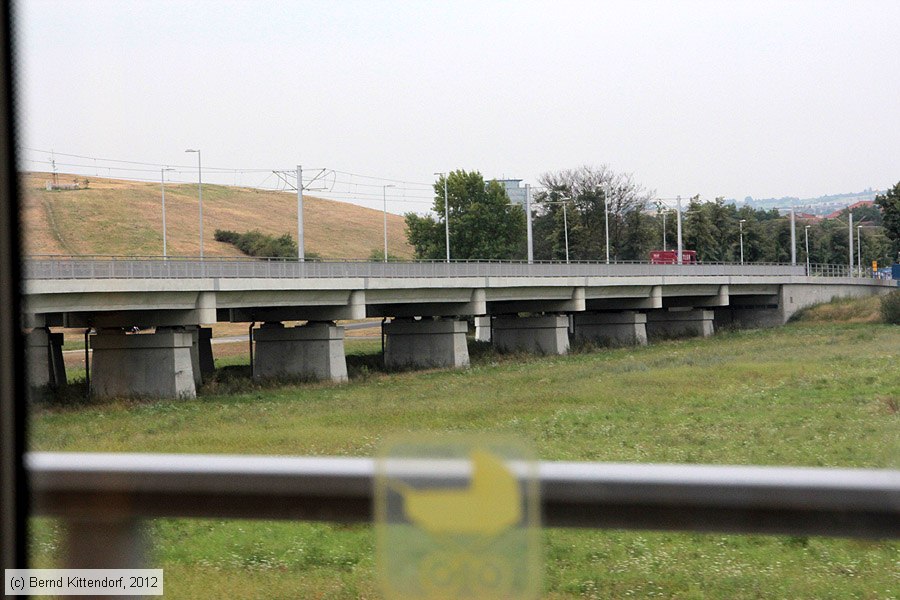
741, 226
661, 208
162, 178
200, 195
384, 197
564, 200
806, 233
859, 249
606, 213
446, 217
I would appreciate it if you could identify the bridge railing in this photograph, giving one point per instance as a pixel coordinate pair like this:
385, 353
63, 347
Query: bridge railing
104, 267
103, 497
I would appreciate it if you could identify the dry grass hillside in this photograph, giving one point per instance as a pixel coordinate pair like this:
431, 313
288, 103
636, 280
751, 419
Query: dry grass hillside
117, 217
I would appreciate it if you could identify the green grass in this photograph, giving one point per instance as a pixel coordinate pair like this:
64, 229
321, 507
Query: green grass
806, 394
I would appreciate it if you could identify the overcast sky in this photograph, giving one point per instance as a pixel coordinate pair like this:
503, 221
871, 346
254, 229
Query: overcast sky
716, 98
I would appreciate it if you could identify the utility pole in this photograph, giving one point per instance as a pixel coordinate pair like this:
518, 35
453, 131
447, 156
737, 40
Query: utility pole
162, 177
859, 266
528, 222
301, 254
793, 238
566, 229
741, 226
200, 195
679, 230
384, 198
806, 231
606, 213
446, 219
850, 238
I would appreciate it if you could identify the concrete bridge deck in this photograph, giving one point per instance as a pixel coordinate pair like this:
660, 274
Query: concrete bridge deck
535, 307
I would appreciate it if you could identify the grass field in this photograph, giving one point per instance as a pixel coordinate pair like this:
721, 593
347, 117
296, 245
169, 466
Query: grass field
119, 217
807, 394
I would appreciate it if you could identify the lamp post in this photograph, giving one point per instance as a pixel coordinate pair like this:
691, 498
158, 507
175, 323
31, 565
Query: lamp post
384, 197
859, 266
606, 214
446, 217
162, 181
563, 200
741, 227
200, 196
806, 233
850, 238
679, 230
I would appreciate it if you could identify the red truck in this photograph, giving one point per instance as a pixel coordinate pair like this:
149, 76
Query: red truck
670, 257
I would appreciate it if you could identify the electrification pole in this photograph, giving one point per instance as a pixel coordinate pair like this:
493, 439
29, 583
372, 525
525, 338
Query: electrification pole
301, 253
679, 230
528, 222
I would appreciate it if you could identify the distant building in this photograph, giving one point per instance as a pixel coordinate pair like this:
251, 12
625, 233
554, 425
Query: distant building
860, 204
514, 190
802, 216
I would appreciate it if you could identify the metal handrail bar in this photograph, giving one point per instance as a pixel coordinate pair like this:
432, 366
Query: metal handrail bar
861, 503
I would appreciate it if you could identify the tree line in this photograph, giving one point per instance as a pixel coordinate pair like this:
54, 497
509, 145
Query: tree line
573, 203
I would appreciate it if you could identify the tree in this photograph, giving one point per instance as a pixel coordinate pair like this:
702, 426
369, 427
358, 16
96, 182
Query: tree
587, 189
483, 223
889, 202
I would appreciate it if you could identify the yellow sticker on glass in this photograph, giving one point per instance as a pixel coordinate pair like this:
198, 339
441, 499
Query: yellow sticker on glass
457, 516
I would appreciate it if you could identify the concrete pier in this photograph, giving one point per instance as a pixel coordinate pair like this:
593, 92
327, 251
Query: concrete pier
428, 343
547, 334
44, 359
313, 351
627, 328
670, 324
482, 329
204, 343
155, 365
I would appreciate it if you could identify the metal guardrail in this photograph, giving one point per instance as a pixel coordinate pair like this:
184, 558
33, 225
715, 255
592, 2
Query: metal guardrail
88, 488
183, 268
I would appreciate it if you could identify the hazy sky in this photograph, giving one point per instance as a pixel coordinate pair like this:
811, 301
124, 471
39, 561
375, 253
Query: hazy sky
717, 98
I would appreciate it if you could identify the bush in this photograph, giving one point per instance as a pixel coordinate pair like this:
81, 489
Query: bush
890, 308
256, 243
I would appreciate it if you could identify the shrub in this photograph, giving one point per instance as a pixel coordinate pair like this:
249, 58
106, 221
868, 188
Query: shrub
890, 307
257, 243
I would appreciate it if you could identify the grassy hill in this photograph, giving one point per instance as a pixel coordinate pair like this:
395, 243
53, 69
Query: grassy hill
119, 217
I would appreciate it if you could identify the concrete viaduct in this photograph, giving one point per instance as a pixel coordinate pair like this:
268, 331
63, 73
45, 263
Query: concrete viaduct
530, 307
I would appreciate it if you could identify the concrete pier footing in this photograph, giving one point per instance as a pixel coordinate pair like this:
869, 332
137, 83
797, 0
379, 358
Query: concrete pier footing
627, 328
44, 358
547, 334
669, 324
313, 351
155, 365
428, 343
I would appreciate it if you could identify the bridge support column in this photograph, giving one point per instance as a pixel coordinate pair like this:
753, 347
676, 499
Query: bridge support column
155, 365
204, 342
429, 343
736, 317
627, 328
201, 353
313, 351
548, 334
44, 358
482, 329
669, 324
